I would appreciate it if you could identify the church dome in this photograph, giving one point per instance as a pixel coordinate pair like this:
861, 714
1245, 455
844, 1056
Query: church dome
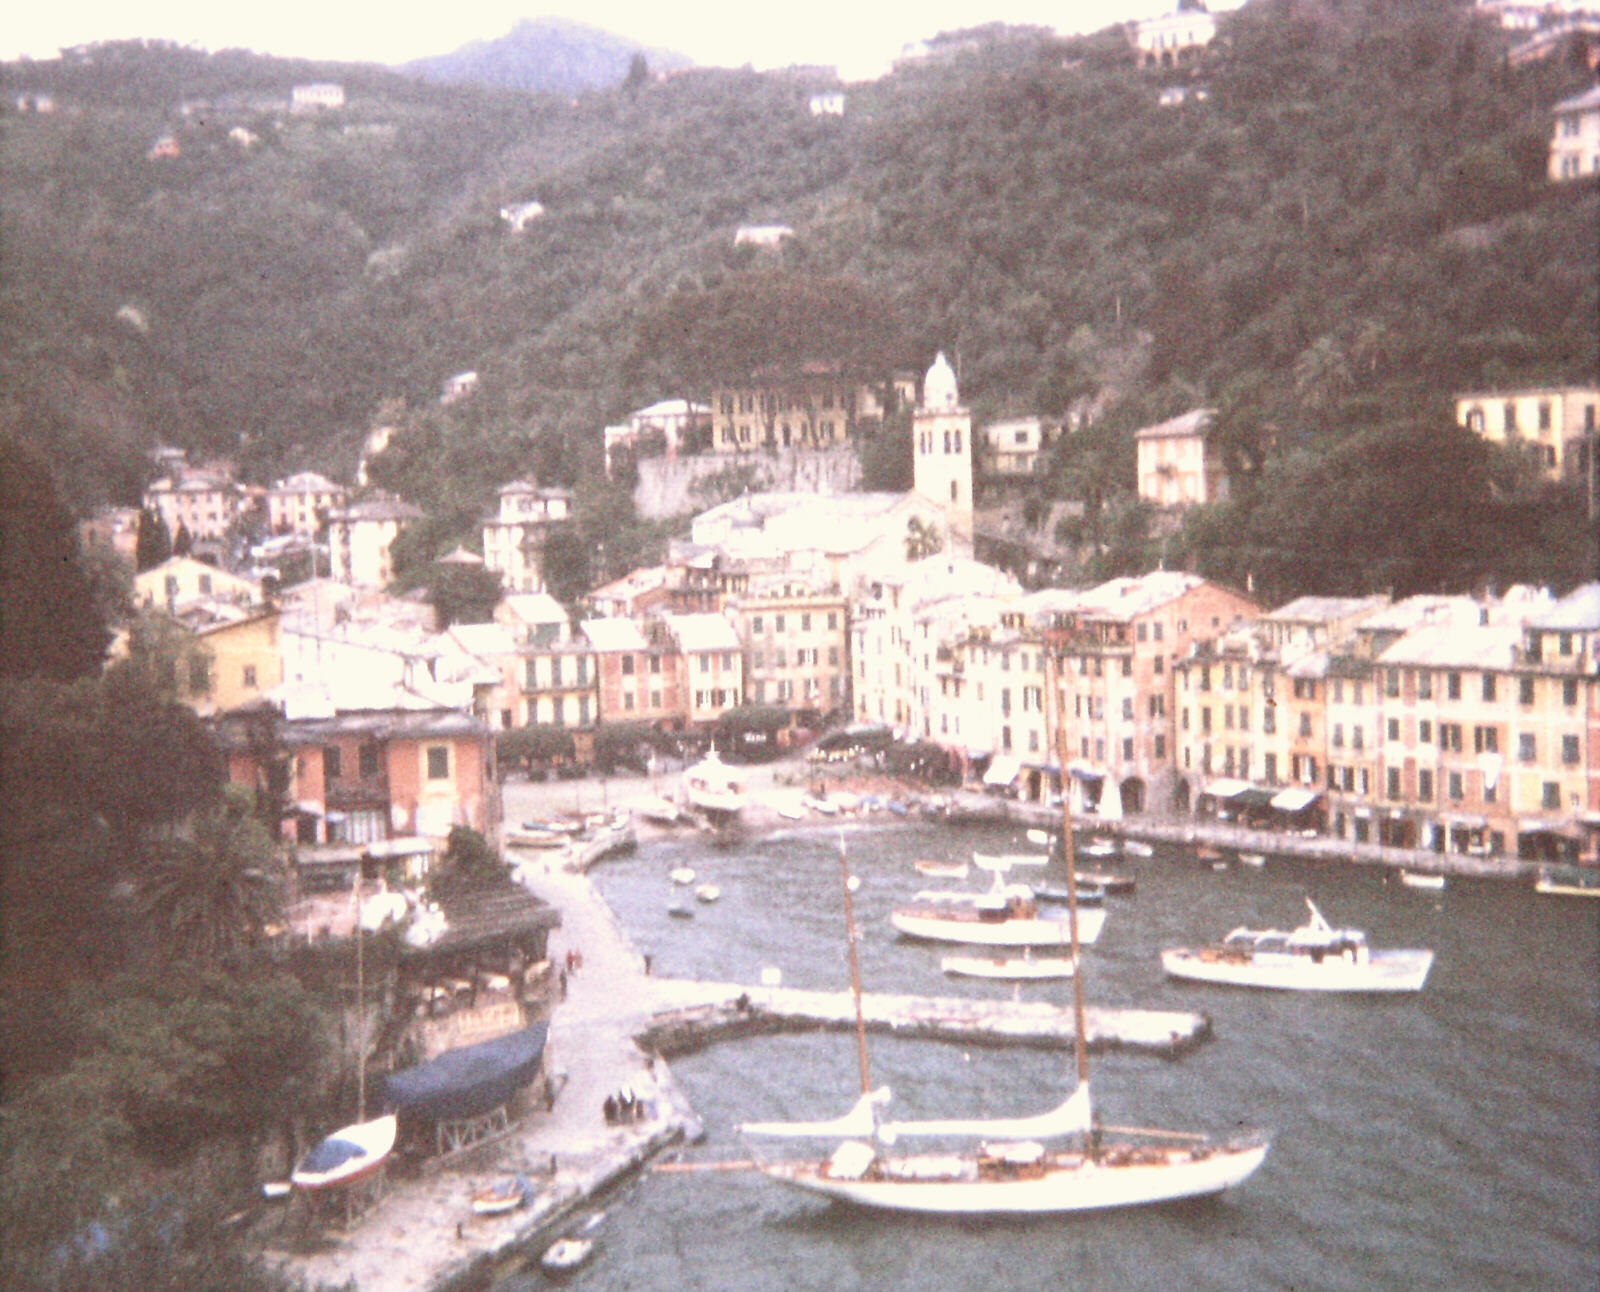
939, 386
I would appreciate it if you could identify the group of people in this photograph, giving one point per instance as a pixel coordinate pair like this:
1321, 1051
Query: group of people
625, 1107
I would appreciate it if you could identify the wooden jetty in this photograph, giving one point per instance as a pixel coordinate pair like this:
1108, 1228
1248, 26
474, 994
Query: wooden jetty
708, 1013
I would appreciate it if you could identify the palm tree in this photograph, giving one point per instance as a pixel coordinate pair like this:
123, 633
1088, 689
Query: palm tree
922, 539
214, 892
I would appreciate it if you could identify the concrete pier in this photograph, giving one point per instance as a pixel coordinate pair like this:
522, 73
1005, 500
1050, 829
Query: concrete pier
711, 1012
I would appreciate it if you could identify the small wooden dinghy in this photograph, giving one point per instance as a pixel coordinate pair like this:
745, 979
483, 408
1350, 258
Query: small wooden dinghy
942, 869
1008, 969
500, 1197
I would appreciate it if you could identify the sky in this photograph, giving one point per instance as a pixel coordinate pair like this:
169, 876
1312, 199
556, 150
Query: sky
858, 38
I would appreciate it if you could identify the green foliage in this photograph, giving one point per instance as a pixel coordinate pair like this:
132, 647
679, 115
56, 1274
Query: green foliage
463, 594
1356, 214
922, 539
154, 544
50, 623
535, 743
209, 894
625, 744
468, 861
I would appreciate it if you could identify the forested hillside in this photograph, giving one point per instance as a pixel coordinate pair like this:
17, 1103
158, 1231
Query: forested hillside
1352, 224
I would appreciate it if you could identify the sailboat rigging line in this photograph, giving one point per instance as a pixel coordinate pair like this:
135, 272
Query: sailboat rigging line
855, 968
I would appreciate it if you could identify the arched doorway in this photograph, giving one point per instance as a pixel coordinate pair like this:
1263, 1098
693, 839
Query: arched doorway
1181, 797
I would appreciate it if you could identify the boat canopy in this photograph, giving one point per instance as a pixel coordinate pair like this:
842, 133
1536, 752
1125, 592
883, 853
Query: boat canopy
1002, 770
470, 1081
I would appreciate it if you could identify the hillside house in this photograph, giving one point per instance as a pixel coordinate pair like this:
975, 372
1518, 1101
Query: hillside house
827, 104
514, 538
1174, 39
1178, 465
205, 502
814, 406
1575, 140
359, 537
674, 421
1012, 448
1552, 424
319, 96
761, 235
519, 215
180, 583
298, 504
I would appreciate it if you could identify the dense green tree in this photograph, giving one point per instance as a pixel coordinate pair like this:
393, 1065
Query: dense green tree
50, 624
462, 593
535, 743
154, 544
209, 893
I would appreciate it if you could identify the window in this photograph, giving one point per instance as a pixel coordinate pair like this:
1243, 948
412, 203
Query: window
1338, 735
1205, 720
1570, 750
1392, 785
805, 623
1269, 720
1424, 784
438, 762
1425, 732
1524, 690
1358, 737
1456, 791
367, 761
1392, 729
755, 623
627, 702
1158, 665
532, 679
1450, 736
1485, 740
555, 670
727, 660
627, 666
1127, 749
1305, 724
205, 585
1550, 800
1127, 666
1127, 708
705, 661
1489, 688
1269, 767
1452, 686
1391, 682
1527, 747
330, 763
1569, 691
777, 623
1424, 685
833, 620
249, 677
1160, 748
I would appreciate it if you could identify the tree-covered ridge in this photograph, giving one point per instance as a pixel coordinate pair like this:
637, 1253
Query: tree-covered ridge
1353, 222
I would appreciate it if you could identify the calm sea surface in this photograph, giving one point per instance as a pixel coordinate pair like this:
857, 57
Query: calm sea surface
1447, 1140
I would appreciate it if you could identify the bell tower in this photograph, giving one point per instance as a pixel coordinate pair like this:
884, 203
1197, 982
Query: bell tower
941, 432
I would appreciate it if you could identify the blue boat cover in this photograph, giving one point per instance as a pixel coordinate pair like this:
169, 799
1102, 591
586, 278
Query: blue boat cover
470, 1081
332, 1152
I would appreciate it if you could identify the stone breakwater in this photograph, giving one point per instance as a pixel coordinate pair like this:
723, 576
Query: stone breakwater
756, 1011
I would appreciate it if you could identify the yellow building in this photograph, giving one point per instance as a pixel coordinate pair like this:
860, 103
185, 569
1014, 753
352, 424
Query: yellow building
1178, 466
181, 581
298, 504
797, 645
202, 503
359, 537
812, 408
1553, 424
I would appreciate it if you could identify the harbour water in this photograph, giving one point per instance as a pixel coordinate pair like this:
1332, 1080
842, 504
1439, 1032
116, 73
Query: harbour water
1445, 1140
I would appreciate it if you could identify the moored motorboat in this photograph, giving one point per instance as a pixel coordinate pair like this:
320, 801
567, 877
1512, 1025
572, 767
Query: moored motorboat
1568, 881
942, 869
1008, 915
1106, 882
1422, 879
680, 911
348, 1155
1255, 860
565, 1255
500, 1197
1008, 969
713, 787
707, 893
1100, 848
683, 875
1314, 957
1137, 848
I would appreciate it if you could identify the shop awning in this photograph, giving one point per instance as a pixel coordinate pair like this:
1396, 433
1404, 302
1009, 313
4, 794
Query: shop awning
1002, 770
1294, 799
1226, 787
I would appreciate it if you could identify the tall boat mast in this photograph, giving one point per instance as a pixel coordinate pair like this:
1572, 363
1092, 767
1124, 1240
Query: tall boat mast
855, 968
1080, 1047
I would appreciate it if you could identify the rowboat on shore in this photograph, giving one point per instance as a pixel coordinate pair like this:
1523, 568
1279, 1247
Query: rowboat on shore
1567, 881
348, 1155
500, 1197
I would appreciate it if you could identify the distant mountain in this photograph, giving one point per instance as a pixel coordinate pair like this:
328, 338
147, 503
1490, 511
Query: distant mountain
543, 54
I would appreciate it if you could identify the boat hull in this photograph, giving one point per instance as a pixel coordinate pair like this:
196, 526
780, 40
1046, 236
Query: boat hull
1383, 971
1006, 970
1068, 1183
347, 1156
938, 926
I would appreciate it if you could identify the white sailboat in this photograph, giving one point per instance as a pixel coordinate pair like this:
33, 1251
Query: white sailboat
1003, 1166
